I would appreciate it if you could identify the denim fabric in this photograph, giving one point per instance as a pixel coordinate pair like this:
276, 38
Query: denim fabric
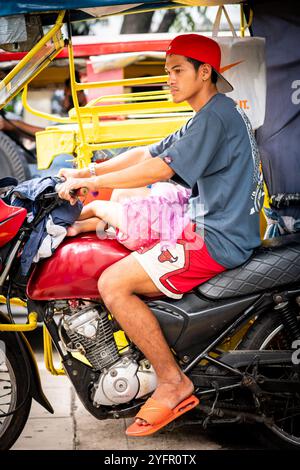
25, 195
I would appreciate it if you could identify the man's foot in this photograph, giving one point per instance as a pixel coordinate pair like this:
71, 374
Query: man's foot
156, 416
171, 394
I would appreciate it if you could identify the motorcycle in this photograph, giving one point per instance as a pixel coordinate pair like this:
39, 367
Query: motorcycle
233, 335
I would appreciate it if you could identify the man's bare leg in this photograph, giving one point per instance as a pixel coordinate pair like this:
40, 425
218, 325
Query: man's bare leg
118, 286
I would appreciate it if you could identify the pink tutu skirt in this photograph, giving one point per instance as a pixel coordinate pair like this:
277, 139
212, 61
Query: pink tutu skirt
162, 216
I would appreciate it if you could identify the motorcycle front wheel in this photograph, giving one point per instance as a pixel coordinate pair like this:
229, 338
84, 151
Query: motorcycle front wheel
14, 391
268, 333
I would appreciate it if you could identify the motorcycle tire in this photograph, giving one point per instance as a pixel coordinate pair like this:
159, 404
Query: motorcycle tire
268, 333
13, 372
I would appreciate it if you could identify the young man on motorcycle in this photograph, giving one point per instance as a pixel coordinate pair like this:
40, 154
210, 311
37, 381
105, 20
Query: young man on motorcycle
214, 154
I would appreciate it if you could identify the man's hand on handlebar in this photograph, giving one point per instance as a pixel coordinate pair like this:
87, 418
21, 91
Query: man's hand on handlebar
71, 189
69, 173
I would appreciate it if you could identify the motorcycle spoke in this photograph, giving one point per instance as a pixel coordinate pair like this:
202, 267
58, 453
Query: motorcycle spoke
290, 416
3, 411
5, 395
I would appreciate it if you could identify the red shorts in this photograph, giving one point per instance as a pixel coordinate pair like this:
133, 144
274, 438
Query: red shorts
181, 268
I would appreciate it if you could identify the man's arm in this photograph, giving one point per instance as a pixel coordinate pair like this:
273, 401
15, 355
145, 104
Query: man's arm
141, 174
15, 125
136, 176
124, 160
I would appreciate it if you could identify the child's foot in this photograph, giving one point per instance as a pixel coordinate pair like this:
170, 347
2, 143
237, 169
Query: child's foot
72, 231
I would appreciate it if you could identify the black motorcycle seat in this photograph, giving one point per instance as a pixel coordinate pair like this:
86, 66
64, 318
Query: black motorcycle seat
274, 264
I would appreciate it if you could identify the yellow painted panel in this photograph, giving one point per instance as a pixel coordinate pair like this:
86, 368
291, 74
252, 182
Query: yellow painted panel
133, 129
52, 142
103, 134
110, 134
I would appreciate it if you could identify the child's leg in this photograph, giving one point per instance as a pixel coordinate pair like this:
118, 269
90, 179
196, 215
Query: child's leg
108, 211
88, 225
96, 215
88, 211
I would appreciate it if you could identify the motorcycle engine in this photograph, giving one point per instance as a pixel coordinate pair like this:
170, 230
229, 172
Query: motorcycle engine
91, 333
124, 381
122, 378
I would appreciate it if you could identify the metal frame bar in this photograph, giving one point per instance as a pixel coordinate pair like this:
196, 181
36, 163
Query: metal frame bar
51, 33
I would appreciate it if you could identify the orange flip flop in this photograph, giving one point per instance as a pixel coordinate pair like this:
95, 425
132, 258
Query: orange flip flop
158, 415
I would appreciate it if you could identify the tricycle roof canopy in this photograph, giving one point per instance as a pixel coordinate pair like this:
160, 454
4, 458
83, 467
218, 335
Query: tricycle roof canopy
85, 9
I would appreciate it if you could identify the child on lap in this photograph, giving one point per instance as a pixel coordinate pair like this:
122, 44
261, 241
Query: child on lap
140, 216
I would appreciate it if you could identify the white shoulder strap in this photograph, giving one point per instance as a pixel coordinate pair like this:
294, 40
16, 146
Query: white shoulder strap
216, 25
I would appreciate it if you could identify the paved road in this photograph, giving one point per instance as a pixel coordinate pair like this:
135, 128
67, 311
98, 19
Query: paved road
73, 428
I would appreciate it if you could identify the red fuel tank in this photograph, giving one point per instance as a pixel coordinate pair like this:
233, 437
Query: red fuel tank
74, 269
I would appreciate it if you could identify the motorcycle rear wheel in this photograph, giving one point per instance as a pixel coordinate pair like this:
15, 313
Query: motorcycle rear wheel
268, 333
13, 389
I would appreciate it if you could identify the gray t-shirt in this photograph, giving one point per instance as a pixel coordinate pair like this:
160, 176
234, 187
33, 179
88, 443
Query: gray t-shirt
215, 154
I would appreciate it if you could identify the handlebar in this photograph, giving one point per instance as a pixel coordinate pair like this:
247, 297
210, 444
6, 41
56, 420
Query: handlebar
46, 207
81, 192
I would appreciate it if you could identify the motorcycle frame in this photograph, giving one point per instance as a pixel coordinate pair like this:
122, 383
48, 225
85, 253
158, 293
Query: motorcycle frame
81, 373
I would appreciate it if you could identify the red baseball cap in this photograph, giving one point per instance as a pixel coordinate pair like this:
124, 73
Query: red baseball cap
204, 50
